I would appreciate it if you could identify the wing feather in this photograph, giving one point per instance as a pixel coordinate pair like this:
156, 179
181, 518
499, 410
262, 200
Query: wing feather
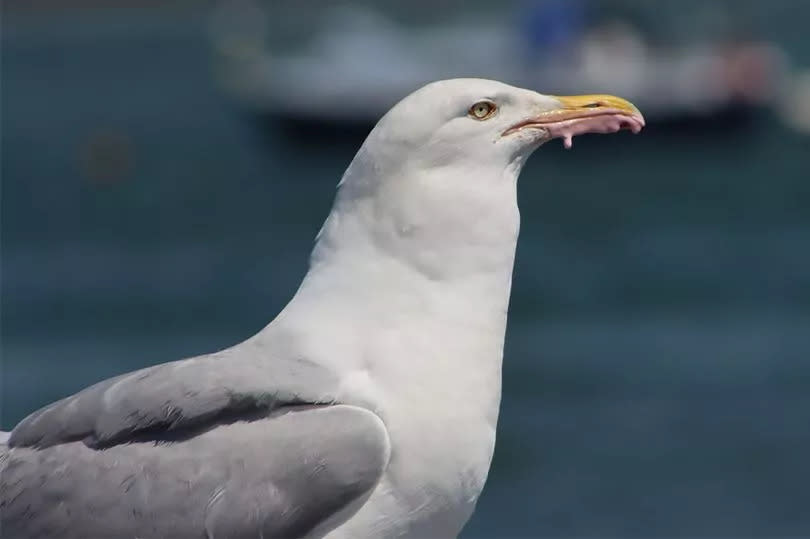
276, 476
177, 397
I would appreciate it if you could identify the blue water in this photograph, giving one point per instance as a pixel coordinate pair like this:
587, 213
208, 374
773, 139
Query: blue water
657, 369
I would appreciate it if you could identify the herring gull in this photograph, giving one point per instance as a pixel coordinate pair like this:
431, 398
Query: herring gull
368, 406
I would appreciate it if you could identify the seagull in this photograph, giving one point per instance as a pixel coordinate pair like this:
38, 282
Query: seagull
368, 407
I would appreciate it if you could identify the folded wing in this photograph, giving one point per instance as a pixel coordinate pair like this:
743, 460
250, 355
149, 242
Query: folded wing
226, 445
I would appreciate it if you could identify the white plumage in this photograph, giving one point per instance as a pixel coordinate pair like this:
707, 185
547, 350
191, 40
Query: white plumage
368, 407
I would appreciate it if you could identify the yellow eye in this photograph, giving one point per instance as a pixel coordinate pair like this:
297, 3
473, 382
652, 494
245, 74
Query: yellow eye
482, 110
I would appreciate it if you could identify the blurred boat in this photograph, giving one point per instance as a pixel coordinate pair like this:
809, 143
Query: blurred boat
360, 63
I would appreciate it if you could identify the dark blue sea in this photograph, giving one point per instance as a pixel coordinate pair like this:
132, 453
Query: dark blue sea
657, 364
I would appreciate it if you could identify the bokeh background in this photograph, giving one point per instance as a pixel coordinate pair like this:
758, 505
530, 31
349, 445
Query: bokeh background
166, 166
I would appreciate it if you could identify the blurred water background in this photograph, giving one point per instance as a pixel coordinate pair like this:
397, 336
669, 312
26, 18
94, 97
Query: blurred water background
657, 364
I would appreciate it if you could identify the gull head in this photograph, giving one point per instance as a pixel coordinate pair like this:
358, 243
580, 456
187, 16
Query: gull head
478, 122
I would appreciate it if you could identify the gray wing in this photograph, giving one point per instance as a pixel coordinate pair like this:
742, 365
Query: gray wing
177, 397
279, 476
228, 445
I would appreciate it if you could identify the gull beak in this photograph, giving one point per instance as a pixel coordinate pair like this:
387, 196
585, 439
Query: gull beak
578, 106
580, 114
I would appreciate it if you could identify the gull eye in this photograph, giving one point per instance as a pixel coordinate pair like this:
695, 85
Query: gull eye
482, 110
